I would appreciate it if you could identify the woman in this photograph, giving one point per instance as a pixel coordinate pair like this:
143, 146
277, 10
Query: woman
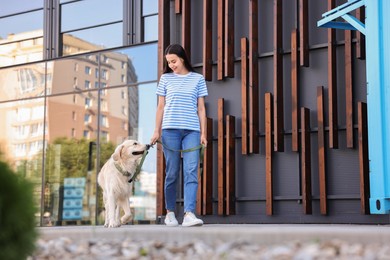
180, 121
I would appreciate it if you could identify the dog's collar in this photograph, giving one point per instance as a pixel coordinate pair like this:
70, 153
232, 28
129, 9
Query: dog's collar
124, 172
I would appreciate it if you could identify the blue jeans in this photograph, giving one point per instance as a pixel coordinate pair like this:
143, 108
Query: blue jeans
180, 139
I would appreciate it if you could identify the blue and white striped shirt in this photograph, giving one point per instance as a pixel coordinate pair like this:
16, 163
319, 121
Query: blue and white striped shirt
181, 99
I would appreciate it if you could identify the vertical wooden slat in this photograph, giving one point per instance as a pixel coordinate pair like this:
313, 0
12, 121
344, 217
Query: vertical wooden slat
360, 38
304, 33
199, 193
348, 88
163, 42
332, 85
207, 39
186, 26
294, 91
229, 38
220, 39
268, 154
278, 78
363, 159
177, 6
207, 177
221, 159
321, 150
230, 165
306, 161
244, 95
253, 78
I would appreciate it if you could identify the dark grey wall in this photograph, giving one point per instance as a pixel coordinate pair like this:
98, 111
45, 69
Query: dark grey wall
342, 164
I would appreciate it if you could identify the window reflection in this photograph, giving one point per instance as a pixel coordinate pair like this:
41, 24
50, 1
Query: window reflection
151, 28
21, 140
87, 13
149, 7
22, 82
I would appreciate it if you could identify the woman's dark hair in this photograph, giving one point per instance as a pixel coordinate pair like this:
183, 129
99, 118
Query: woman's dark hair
181, 53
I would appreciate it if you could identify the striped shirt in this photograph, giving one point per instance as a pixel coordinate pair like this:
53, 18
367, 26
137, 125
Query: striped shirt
181, 99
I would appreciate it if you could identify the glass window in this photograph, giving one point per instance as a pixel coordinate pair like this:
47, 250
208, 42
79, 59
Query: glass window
21, 34
77, 15
9, 7
149, 7
92, 39
151, 28
22, 82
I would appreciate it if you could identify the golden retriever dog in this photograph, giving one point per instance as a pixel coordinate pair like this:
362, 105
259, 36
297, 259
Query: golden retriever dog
114, 179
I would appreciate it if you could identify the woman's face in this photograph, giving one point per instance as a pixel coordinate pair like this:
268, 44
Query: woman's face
176, 64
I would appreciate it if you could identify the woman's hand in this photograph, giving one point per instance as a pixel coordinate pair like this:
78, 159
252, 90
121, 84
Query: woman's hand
155, 137
203, 140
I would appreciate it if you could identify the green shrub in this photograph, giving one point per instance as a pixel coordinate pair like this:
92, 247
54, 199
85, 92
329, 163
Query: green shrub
17, 221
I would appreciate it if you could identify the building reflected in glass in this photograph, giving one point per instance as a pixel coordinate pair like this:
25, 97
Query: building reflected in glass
62, 117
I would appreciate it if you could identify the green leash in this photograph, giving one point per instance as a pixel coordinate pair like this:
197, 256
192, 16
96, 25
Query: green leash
139, 166
200, 147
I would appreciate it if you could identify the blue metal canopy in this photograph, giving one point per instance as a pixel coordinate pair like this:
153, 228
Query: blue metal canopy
377, 31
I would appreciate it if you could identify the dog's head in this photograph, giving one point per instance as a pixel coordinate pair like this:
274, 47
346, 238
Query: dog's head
129, 150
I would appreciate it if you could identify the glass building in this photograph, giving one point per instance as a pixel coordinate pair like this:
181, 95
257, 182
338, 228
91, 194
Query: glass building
76, 79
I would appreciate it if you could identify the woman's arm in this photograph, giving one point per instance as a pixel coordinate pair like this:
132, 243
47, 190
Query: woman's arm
202, 120
159, 118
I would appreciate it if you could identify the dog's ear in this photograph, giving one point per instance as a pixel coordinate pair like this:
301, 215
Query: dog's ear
118, 153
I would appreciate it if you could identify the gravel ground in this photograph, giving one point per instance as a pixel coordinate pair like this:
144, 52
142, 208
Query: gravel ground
66, 248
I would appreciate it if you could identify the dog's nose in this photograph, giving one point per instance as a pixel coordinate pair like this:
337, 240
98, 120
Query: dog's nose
148, 146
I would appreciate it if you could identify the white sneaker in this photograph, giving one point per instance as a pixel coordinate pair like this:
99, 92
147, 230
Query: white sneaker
191, 220
170, 220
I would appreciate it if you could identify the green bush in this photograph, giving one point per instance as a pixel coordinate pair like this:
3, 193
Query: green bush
17, 221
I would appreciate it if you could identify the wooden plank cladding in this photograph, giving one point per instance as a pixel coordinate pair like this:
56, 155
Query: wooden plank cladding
321, 150
363, 158
207, 39
163, 42
304, 33
221, 159
177, 6
294, 91
360, 38
332, 85
230, 165
268, 154
220, 39
278, 78
253, 78
306, 161
244, 96
204, 196
348, 88
229, 38
186, 26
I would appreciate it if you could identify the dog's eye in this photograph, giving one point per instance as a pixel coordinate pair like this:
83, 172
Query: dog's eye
135, 144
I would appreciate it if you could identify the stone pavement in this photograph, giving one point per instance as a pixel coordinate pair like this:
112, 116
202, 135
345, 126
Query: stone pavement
234, 241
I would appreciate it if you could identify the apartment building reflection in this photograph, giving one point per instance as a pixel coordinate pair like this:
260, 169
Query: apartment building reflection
81, 91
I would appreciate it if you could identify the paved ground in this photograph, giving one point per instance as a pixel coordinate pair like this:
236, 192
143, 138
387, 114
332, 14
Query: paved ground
261, 233
268, 242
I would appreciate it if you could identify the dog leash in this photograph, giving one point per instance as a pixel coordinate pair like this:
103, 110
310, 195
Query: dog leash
200, 147
139, 166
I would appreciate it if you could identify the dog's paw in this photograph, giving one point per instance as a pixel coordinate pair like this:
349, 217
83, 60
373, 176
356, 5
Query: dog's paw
126, 219
114, 225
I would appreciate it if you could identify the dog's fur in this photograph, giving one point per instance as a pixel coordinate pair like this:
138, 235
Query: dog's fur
115, 185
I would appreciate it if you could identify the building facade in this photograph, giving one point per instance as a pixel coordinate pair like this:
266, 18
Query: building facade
286, 110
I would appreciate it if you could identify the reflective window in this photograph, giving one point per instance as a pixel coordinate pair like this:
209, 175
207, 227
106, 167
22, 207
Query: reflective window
87, 13
22, 141
22, 34
149, 7
92, 39
9, 7
151, 28
22, 82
